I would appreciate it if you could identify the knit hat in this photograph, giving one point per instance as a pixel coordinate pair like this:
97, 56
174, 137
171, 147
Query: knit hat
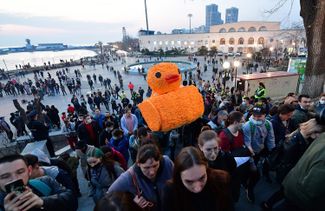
97, 153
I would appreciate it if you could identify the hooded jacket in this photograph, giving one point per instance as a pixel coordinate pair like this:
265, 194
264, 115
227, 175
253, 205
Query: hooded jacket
304, 185
151, 191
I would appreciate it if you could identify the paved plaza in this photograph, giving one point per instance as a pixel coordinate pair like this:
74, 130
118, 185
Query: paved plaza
61, 102
263, 190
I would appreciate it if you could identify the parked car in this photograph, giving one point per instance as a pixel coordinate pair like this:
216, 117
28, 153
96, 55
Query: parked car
230, 54
220, 53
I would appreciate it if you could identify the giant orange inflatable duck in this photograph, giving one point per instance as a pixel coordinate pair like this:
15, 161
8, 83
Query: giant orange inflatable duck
170, 105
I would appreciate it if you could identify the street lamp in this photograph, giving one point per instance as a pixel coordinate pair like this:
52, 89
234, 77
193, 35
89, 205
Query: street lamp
146, 14
271, 51
236, 64
294, 47
249, 56
225, 66
190, 17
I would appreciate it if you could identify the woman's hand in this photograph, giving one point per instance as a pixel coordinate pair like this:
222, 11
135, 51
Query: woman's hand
142, 202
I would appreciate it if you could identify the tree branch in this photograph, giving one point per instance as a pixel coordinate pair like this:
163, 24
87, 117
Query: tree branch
276, 7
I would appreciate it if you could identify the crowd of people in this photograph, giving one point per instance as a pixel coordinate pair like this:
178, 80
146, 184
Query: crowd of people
203, 165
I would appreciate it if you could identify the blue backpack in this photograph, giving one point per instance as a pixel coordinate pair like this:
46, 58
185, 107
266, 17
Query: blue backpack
40, 187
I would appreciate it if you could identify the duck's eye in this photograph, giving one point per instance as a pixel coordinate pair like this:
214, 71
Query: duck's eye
158, 74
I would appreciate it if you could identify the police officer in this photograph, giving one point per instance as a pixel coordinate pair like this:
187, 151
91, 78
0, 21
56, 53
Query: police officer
260, 91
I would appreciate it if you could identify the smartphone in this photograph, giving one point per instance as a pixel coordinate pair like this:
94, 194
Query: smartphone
16, 186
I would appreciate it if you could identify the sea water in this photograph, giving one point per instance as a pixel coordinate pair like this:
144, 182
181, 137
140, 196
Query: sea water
40, 57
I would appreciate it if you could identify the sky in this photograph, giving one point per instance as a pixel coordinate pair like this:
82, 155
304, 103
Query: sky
83, 22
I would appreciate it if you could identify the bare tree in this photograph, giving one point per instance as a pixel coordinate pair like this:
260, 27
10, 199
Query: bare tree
312, 12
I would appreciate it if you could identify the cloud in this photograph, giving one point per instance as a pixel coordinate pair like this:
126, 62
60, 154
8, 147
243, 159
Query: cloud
100, 11
13, 29
83, 21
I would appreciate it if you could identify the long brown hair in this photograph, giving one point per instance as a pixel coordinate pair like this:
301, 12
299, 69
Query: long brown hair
147, 151
187, 158
217, 181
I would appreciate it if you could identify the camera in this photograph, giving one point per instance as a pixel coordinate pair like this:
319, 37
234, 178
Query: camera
320, 116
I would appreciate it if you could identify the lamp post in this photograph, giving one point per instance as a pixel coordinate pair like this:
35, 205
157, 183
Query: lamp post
146, 13
294, 47
268, 60
236, 64
249, 56
4, 62
190, 19
225, 66
271, 50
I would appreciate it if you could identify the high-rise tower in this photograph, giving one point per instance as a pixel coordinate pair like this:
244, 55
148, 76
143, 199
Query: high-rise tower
231, 15
212, 16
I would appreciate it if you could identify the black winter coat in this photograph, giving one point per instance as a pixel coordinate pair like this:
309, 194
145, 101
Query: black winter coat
84, 135
39, 130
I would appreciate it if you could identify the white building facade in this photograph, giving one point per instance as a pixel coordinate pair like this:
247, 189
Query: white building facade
244, 36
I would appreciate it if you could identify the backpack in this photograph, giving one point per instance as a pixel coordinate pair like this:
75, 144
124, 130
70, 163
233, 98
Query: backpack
253, 127
39, 186
277, 157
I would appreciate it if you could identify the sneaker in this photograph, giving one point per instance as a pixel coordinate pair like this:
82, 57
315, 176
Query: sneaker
250, 195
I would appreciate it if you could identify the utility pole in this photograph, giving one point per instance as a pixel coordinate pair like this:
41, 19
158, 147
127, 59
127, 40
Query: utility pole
145, 9
190, 17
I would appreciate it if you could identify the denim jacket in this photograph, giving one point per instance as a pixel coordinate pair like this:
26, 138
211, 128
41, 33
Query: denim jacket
260, 137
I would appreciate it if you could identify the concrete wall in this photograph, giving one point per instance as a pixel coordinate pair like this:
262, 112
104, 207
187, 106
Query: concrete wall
276, 87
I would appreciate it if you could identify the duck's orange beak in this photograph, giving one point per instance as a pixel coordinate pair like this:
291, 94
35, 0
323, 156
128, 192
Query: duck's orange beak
171, 78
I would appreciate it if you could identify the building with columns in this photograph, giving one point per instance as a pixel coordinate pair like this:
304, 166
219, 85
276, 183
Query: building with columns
243, 36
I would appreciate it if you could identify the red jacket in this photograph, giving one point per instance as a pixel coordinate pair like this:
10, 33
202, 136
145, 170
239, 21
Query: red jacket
225, 144
70, 109
117, 156
131, 86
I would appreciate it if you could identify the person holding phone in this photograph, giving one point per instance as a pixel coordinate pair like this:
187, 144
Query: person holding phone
18, 192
